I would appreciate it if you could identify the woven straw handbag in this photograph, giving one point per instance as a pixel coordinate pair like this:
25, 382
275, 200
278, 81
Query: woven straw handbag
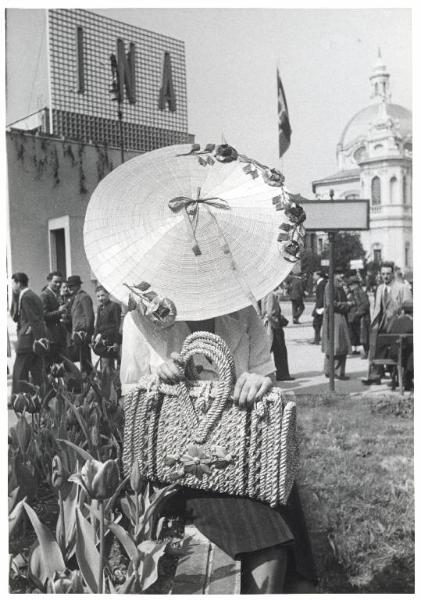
193, 433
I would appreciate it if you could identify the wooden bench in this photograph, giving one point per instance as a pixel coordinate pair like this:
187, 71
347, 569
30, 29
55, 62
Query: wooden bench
387, 339
206, 569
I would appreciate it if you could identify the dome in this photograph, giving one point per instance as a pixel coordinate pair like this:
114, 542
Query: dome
358, 127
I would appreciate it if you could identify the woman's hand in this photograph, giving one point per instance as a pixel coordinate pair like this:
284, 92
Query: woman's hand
169, 372
249, 388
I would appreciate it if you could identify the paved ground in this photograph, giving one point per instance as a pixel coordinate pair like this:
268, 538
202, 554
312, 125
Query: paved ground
305, 363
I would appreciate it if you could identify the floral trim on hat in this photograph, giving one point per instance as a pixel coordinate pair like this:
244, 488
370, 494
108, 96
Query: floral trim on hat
291, 236
161, 311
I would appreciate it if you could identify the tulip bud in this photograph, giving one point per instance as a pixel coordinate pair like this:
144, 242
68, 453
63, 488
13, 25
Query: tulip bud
137, 482
41, 346
24, 434
59, 474
100, 479
57, 370
33, 404
67, 582
20, 402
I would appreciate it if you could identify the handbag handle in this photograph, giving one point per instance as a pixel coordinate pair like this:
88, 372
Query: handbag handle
215, 349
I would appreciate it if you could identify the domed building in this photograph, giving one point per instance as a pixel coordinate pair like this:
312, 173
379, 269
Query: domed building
374, 159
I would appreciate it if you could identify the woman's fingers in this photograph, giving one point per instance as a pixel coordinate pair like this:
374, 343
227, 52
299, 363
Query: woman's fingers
168, 372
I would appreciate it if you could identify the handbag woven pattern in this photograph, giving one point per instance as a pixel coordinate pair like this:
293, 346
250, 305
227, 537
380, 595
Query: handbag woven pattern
193, 433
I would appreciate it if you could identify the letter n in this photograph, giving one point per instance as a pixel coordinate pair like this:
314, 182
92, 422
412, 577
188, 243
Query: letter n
126, 71
167, 93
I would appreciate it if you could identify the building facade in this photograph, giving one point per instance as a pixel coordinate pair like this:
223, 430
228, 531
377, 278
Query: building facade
91, 63
374, 160
57, 155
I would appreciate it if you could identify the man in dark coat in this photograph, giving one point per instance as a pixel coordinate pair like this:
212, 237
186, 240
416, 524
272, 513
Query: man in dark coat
27, 312
53, 313
404, 324
358, 316
296, 295
82, 315
107, 332
318, 310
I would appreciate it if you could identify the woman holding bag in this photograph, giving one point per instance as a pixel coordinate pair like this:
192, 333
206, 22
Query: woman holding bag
202, 227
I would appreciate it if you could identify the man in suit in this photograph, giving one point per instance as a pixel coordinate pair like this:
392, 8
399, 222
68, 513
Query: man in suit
321, 281
53, 312
390, 296
296, 295
27, 312
82, 315
107, 329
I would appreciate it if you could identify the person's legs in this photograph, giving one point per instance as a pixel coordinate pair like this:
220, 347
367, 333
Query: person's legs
263, 571
300, 308
20, 371
35, 368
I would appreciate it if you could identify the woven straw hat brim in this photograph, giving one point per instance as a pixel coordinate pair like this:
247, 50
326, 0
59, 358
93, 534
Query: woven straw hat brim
132, 235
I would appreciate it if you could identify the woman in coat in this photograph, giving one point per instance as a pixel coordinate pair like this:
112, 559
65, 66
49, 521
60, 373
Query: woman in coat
342, 342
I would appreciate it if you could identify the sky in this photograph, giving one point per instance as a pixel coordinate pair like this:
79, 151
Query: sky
325, 57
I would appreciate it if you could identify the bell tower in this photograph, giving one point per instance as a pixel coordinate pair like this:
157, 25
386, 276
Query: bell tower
379, 81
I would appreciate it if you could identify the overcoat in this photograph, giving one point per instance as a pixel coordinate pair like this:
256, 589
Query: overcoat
341, 333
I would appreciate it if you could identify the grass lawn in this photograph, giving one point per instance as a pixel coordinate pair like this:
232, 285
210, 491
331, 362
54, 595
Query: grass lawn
357, 488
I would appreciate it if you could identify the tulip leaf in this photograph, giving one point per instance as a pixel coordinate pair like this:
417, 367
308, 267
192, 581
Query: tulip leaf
24, 434
47, 557
82, 453
15, 514
131, 585
114, 497
125, 540
82, 425
13, 496
150, 559
87, 554
70, 503
152, 511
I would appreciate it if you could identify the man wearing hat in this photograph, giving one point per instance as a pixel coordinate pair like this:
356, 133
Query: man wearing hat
359, 316
82, 316
317, 314
390, 296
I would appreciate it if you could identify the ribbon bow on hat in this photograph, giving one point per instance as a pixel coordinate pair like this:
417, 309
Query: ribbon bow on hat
191, 207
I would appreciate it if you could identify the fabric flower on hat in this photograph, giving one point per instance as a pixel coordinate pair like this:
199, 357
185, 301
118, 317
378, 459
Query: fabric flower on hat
225, 153
273, 177
161, 311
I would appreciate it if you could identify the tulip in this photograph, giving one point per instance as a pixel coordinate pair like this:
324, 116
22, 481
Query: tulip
20, 402
59, 473
67, 582
100, 480
79, 337
41, 347
57, 370
34, 404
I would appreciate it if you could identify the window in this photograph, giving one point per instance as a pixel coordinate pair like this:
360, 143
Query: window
377, 255
404, 194
407, 254
394, 191
351, 196
59, 244
376, 196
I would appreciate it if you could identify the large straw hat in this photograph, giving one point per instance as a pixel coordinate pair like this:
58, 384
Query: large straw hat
210, 229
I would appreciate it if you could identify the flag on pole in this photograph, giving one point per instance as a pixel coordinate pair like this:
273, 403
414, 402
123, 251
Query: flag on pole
284, 127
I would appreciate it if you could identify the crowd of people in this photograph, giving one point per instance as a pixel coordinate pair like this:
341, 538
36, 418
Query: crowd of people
356, 332
64, 314
62, 318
